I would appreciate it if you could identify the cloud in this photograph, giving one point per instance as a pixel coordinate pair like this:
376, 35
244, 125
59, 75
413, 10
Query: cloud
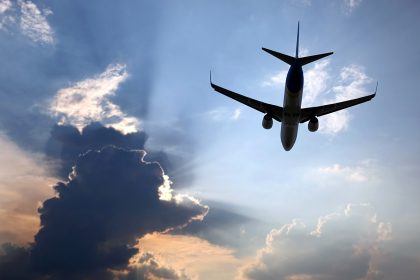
344, 245
197, 258
7, 17
316, 80
358, 173
223, 114
351, 84
20, 172
5, 5
276, 80
148, 267
32, 21
88, 101
112, 198
14, 262
351, 5
236, 114
34, 24
67, 143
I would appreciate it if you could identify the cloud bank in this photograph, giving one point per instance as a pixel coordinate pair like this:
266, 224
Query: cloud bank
113, 198
344, 245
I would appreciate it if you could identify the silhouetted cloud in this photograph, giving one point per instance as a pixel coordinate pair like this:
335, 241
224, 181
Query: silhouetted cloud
113, 198
67, 143
148, 267
15, 262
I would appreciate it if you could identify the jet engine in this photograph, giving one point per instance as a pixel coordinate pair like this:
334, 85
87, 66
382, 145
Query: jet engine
267, 122
313, 124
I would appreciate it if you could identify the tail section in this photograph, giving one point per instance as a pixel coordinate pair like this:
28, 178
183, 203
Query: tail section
297, 43
308, 59
301, 60
284, 57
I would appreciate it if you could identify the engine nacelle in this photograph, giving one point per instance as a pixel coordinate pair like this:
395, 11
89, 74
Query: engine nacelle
267, 122
313, 124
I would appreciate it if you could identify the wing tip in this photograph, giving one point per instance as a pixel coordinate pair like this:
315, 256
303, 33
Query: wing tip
376, 89
211, 83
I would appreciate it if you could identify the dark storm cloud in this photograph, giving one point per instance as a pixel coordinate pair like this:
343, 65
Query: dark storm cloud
66, 143
14, 262
112, 199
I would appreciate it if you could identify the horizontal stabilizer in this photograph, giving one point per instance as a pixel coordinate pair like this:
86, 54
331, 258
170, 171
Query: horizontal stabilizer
288, 59
308, 59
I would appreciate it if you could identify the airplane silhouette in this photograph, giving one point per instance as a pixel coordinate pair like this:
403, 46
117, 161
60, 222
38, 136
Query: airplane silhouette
291, 114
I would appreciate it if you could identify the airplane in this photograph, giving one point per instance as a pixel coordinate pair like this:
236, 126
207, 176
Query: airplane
291, 114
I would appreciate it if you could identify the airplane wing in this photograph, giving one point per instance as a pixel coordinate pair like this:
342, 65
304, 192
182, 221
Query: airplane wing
307, 113
274, 111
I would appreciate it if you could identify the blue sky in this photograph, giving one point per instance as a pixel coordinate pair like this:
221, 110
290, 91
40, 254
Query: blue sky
77, 76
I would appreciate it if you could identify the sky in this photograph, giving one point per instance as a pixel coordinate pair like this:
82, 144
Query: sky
120, 162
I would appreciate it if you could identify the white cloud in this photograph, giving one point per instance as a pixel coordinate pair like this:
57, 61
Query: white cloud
236, 114
276, 80
89, 101
34, 24
351, 84
344, 245
384, 231
353, 174
358, 173
222, 114
316, 80
351, 5
6, 15
5, 5
31, 21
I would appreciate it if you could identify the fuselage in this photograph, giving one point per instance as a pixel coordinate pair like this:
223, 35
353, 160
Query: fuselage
292, 103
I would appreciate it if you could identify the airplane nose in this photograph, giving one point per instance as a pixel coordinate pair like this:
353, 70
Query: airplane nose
287, 143
288, 136
287, 146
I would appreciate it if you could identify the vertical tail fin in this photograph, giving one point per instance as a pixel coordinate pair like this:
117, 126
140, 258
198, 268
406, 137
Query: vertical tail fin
297, 43
301, 60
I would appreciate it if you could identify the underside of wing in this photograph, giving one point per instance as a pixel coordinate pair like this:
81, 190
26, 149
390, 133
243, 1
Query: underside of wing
307, 113
274, 111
